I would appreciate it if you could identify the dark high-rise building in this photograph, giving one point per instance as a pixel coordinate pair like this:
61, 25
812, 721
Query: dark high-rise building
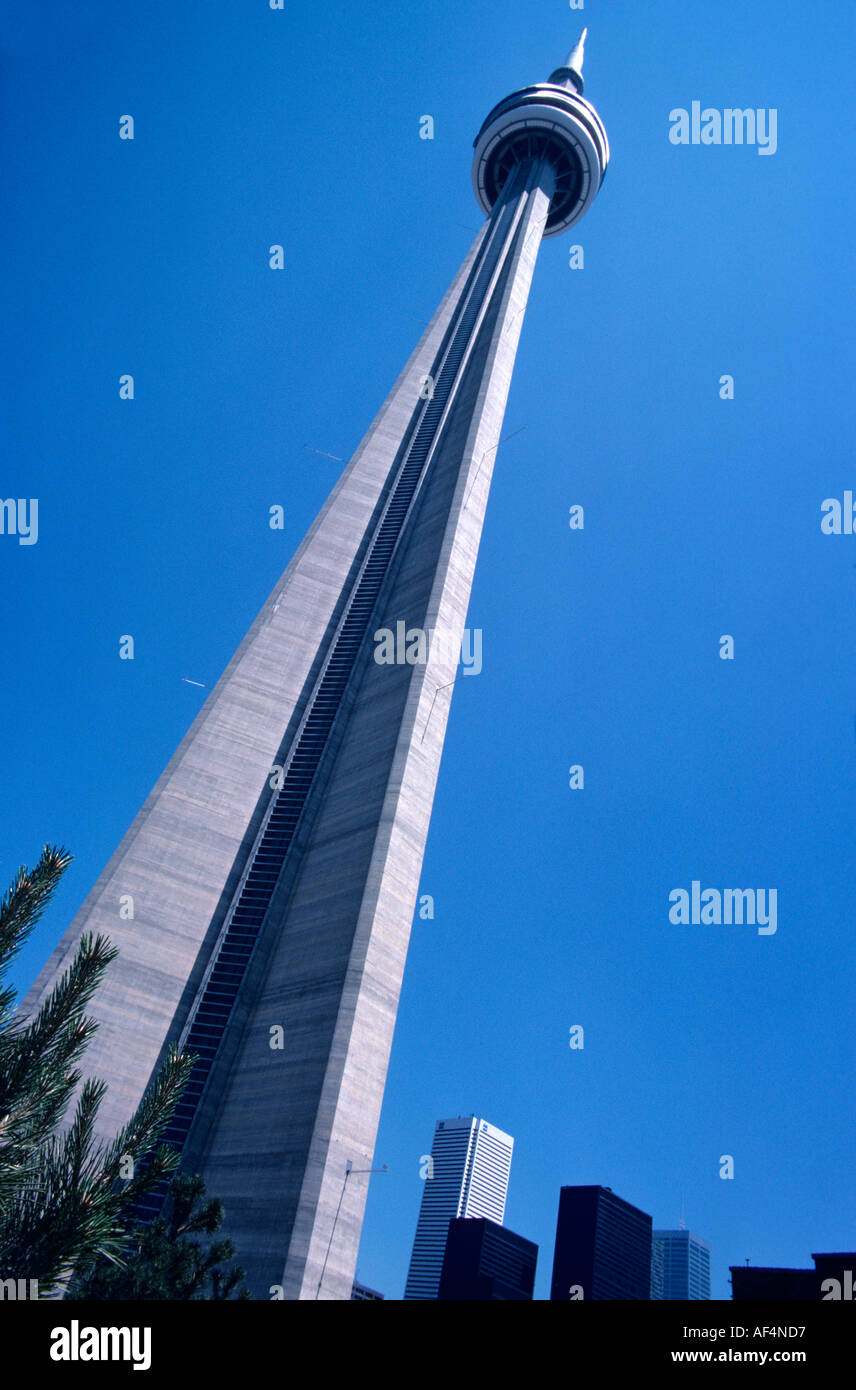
832, 1279
758, 1283
486, 1261
262, 899
603, 1247
836, 1276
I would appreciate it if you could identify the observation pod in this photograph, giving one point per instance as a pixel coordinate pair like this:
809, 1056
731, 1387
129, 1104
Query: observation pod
551, 121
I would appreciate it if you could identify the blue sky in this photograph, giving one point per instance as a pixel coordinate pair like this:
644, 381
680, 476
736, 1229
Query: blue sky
601, 647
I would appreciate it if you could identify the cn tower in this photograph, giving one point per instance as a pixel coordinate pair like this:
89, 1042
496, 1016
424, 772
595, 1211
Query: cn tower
273, 870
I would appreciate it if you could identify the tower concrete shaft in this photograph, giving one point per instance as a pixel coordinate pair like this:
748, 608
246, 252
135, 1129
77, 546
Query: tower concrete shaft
274, 867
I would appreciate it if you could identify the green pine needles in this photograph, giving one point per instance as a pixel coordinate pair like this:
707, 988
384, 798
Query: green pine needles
63, 1195
162, 1262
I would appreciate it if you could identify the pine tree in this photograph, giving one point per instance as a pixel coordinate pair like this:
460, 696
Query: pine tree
161, 1262
62, 1197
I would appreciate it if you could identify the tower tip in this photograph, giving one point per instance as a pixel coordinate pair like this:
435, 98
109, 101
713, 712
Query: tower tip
570, 74
576, 55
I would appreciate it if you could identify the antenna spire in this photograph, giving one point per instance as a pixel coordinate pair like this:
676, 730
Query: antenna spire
576, 55
570, 74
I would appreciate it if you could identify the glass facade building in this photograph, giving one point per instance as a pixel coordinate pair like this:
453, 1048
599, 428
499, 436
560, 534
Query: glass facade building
684, 1260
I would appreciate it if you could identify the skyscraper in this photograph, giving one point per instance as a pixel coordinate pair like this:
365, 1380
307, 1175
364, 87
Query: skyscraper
603, 1247
685, 1260
361, 1293
833, 1279
262, 898
657, 1270
486, 1262
467, 1176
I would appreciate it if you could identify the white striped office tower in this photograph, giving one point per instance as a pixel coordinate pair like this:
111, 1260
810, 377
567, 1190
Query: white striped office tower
467, 1176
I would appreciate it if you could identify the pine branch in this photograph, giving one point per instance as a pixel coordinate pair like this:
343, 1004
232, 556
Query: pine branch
37, 1076
74, 1211
153, 1113
64, 1199
158, 1263
23, 904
